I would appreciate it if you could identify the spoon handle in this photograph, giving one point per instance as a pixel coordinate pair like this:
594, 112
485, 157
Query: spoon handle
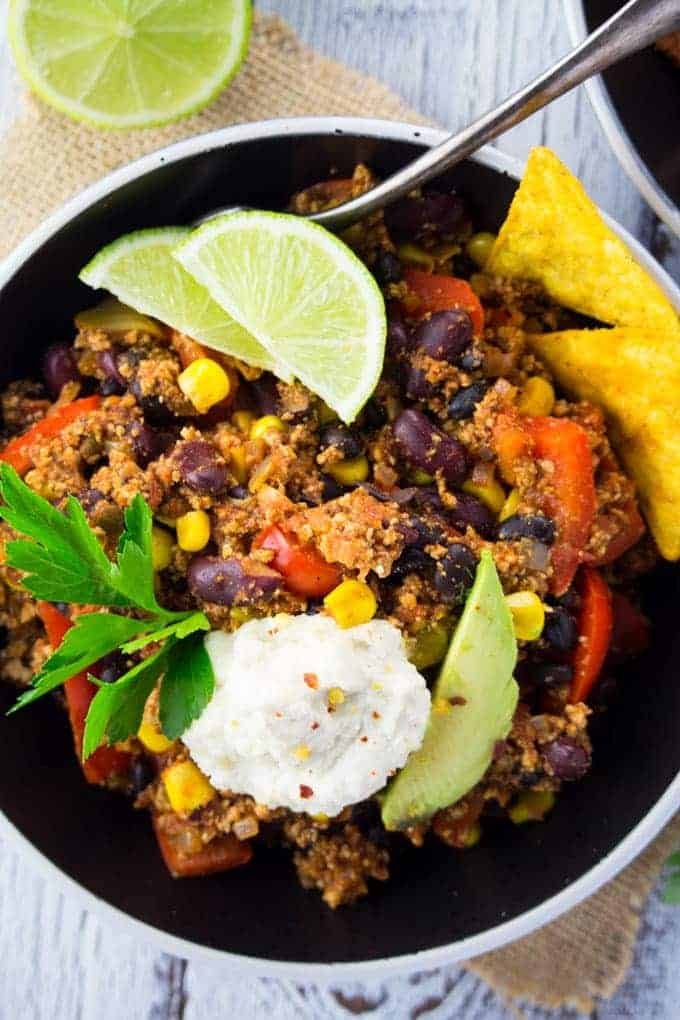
636, 25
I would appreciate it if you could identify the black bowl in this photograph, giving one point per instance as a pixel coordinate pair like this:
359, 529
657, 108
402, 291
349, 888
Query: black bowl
439, 904
641, 120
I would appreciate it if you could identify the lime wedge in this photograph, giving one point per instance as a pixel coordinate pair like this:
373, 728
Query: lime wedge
302, 293
128, 63
140, 271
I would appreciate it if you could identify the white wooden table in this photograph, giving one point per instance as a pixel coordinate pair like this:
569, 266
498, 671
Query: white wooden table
451, 59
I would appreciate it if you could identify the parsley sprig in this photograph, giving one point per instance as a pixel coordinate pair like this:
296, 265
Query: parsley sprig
63, 561
671, 892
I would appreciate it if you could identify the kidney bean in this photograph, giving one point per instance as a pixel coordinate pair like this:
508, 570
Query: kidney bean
387, 267
340, 437
471, 359
560, 630
455, 573
471, 511
266, 394
415, 218
528, 526
418, 386
466, 399
399, 342
148, 444
59, 367
445, 335
231, 581
568, 759
140, 774
427, 447
201, 467
550, 674
113, 382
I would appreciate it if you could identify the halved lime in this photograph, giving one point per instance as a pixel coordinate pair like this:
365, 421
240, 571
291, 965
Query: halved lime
302, 293
140, 271
128, 63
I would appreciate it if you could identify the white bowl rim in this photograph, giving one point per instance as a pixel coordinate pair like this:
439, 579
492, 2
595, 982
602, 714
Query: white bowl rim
616, 134
474, 945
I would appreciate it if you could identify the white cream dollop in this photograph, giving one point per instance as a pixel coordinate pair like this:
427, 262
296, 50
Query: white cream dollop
306, 715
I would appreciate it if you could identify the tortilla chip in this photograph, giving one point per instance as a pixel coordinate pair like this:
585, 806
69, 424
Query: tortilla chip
554, 234
634, 376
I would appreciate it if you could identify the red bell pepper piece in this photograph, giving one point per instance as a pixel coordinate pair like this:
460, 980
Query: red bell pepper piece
17, 451
631, 531
571, 500
511, 441
219, 854
595, 622
304, 570
106, 762
439, 293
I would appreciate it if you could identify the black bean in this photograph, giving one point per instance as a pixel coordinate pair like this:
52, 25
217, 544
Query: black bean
4, 635
560, 630
528, 526
140, 774
567, 758
266, 394
471, 359
372, 416
466, 399
417, 385
427, 447
445, 335
342, 439
238, 492
201, 467
455, 573
156, 411
549, 674
411, 561
110, 668
399, 342
231, 581
89, 498
113, 382
59, 367
331, 489
147, 443
471, 511
420, 533
387, 267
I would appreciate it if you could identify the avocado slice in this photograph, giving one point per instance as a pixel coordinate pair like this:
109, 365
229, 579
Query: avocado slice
460, 737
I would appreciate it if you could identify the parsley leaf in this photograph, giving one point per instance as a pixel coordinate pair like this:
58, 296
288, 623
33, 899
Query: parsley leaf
187, 687
671, 893
64, 562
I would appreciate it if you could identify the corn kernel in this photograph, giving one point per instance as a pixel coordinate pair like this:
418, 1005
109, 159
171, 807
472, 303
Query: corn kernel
429, 646
492, 494
351, 603
161, 548
349, 472
537, 397
268, 423
321, 818
417, 476
531, 806
152, 738
193, 530
472, 836
528, 614
238, 464
479, 247
186, 786
336, 697
510, 506
302, 752
243, 420
414, 255
205, 383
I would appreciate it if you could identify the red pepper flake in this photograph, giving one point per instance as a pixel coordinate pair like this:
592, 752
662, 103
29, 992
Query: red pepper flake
457, 700
306, 791
364, 740
279, 715
312, 680
376, 715
315, 725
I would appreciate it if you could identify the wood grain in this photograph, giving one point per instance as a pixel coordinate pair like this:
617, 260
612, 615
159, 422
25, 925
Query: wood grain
452, 59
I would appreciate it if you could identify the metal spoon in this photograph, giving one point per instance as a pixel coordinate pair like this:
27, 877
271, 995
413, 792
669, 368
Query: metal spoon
636, 25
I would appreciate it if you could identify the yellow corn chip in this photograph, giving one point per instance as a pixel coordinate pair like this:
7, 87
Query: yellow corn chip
554, 234
633, 374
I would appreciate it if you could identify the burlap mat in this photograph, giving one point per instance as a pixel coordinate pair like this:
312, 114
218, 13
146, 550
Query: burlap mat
46, 158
